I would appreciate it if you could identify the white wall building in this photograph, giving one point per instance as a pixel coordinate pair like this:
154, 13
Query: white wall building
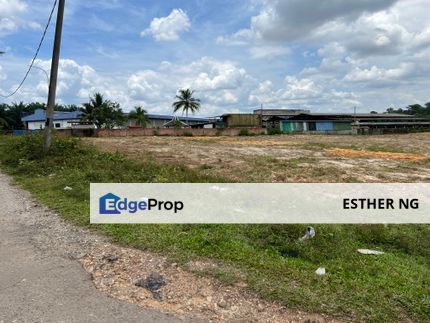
62, 120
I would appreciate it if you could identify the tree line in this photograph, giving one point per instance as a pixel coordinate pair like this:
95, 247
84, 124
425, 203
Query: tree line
109, 114
414, 110
100, 111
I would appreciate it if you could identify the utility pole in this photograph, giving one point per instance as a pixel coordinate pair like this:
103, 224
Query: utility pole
49, 124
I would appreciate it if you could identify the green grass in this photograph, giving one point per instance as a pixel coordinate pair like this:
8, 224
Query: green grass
388, 288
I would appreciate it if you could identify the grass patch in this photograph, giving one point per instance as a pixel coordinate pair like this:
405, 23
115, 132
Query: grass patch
390, 150
392, 287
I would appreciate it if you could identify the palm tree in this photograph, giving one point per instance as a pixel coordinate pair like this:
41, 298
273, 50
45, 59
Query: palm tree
140, 115
186, 102
3, 123
104, 113
93, 108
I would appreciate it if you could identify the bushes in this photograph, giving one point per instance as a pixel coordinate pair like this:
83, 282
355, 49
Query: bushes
244, 132
274, 131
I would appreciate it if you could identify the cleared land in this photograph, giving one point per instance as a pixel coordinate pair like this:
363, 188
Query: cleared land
300, 158
266, 259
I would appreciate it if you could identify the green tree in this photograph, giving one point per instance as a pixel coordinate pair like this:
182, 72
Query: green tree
104, 113
140, 115
14, 114
3, 116
414, 109
186, 102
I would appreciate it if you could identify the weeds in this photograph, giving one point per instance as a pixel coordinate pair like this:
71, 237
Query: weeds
244, 132
392, 287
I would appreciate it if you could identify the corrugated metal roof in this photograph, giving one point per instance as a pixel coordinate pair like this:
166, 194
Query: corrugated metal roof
352, 117
181, 118
40, 115
373, 115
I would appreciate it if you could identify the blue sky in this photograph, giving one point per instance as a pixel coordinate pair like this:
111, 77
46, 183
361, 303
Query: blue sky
323, 56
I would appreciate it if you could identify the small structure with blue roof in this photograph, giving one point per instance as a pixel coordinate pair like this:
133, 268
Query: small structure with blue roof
62, 120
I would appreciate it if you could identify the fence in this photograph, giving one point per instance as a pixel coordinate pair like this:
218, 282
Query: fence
136, 132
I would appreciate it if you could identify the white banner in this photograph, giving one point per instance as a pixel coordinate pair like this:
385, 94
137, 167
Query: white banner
260, 203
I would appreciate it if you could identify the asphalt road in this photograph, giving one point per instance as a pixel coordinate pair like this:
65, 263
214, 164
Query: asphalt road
41, 279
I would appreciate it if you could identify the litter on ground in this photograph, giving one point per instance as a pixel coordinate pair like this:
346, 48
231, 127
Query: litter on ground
320, 271
370, 252
310, 233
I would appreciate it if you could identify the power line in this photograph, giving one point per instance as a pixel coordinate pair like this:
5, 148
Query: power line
35, 55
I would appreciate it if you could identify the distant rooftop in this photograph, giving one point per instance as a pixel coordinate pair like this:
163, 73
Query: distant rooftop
181, 118
40, 115
280, 112
361, 115
352, 116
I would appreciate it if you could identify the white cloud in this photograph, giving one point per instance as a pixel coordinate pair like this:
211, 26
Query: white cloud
375, 74
240, 37
268, 52
281, 20
8, 10
11, 7
168, 28
221, 85
12, 17
216, 83
302, 93
3, 75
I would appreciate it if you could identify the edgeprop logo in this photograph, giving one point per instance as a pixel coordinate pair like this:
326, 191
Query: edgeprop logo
112, 204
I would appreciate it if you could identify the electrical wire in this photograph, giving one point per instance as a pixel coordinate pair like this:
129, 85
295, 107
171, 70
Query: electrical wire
35, 55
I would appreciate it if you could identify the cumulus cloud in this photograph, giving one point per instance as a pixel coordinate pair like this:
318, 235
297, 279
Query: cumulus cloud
268, 51
8, 11
294, 19
12, 17
217, 83
302, 93
241, 37
168, 28
11, 7
375, 74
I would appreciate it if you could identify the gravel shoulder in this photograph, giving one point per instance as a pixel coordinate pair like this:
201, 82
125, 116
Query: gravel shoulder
52, 271
41, 279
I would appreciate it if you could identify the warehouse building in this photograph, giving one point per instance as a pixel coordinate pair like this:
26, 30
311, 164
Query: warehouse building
271, 118
353, 123
240, 120
166, 121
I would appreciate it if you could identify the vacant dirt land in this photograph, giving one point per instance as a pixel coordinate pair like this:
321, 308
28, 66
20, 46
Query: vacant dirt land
298, 158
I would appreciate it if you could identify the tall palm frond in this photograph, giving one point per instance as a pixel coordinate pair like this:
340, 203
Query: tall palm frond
186, 102
140, 115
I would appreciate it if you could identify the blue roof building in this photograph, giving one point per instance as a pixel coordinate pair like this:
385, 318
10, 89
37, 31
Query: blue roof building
62, 120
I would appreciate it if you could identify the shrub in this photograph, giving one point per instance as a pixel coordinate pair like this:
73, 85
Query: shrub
274, 131
244, 132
